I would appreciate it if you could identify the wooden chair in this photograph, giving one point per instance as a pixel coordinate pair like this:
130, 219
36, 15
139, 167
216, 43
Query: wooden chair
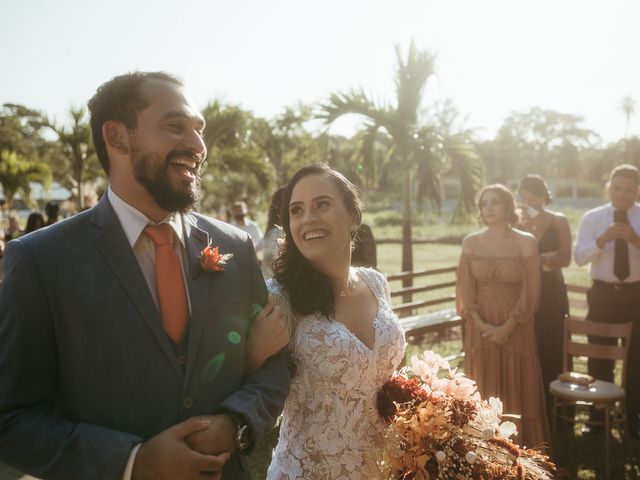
600, 394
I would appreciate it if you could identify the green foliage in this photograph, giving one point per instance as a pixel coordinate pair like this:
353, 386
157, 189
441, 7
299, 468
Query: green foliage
21, 148
16, 172
73, 156
387, 218
423, 151
235, 169
537, 141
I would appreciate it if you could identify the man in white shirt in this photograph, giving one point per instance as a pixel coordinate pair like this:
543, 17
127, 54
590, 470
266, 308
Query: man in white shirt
609, 240
240, 219
123, 341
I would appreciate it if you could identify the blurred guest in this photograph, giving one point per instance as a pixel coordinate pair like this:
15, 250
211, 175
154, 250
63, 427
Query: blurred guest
364, 251
273, 234
609, 240
498, 294
52, 210
13, 230
240, 219
35, 221
553, 234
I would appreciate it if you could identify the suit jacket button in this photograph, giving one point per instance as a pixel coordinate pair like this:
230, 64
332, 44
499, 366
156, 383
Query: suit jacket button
187, 403
182, 359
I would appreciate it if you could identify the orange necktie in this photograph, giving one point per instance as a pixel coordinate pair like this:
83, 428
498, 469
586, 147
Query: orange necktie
172, 295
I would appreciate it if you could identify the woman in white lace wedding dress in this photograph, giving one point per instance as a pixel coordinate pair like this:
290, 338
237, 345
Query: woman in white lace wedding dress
345, 339
330, 427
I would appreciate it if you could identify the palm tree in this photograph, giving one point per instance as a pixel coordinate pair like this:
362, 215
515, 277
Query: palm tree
421, 151
15, 174
234, 168
75, 157
628, 109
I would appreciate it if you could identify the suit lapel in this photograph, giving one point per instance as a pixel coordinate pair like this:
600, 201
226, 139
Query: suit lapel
199, 284
113, 245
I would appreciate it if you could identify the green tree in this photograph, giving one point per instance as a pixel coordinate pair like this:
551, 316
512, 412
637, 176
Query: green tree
285, 142
20, 130
628, 109
541, 141
73, 156
419, 150
235, 168
16, 172
21, 148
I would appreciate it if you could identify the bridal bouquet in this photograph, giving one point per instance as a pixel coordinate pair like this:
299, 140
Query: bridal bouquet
440, 428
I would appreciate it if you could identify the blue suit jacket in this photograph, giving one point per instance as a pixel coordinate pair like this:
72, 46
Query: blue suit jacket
86, 370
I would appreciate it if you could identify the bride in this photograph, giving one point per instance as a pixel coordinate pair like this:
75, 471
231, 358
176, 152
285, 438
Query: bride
344, 337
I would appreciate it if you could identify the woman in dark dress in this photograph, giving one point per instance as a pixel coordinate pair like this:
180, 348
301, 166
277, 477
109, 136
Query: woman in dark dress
553, 233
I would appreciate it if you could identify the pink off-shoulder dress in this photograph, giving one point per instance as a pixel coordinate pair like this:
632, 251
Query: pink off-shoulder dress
499, 288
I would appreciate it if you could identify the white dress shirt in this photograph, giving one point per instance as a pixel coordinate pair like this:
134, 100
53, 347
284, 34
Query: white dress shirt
133, 222
593, 224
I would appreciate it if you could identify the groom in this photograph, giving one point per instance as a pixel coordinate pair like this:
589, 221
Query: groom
121, 354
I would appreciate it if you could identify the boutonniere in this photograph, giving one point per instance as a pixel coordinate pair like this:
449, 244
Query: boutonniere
211, 260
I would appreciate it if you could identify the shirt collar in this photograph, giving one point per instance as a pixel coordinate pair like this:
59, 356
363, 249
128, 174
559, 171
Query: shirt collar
632, 208
133, 221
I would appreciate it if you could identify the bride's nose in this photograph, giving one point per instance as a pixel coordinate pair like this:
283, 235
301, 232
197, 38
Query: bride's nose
309, 216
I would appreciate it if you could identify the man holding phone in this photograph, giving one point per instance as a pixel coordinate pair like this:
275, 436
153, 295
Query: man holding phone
608, 238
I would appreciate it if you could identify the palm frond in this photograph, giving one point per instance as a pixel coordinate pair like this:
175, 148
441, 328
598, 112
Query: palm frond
355, 102
411, 79
426, 146
468, 166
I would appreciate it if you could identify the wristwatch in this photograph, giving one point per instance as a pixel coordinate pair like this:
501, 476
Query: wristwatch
242, 437
243, 431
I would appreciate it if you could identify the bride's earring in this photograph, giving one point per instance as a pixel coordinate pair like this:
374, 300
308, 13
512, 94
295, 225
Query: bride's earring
354, 230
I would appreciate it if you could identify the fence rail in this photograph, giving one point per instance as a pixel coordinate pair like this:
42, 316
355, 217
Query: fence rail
417, 325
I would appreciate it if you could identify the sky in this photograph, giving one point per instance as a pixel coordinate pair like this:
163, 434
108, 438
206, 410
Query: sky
493, 57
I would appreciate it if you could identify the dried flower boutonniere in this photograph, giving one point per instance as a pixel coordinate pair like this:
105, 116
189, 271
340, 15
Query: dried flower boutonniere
212, 260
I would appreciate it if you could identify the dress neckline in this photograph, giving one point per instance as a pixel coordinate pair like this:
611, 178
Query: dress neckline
374, 322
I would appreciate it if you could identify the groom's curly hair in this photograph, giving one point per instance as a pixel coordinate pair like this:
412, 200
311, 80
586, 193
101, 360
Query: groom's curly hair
308, 290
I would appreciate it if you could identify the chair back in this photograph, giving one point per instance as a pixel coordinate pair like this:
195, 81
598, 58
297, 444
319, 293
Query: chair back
579, 326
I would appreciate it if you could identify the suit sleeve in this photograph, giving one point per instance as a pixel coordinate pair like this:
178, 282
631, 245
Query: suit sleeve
262, 396
33, 438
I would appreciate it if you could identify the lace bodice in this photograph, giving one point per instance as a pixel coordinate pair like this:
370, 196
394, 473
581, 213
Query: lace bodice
330, 426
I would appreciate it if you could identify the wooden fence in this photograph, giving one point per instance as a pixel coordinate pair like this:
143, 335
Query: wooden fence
437, 289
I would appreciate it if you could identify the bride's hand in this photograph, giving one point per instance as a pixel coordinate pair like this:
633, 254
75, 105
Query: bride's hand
268, 335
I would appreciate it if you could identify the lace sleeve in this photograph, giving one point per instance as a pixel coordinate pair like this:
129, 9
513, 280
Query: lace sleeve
525, 308
465, 288
379, 283
279, 298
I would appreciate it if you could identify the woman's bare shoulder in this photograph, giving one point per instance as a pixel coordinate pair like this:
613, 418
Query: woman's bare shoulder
469, 242
527, 242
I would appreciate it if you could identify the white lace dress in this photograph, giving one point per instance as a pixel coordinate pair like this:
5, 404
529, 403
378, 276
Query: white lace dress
330, 426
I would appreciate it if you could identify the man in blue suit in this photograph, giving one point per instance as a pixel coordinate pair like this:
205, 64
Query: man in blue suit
94, 383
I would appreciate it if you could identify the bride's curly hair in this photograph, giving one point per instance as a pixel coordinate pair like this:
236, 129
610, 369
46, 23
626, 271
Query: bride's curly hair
308, 290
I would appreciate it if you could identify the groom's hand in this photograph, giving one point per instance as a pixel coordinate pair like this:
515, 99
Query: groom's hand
167, 455
218, 438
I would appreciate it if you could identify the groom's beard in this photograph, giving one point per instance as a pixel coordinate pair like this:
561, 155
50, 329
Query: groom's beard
152, 173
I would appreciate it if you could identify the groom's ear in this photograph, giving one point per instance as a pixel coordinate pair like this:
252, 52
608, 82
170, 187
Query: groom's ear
116, 137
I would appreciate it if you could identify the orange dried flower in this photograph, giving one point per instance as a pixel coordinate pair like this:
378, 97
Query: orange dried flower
212, 260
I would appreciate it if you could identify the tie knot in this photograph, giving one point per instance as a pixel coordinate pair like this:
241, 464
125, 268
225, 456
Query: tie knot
161, 234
